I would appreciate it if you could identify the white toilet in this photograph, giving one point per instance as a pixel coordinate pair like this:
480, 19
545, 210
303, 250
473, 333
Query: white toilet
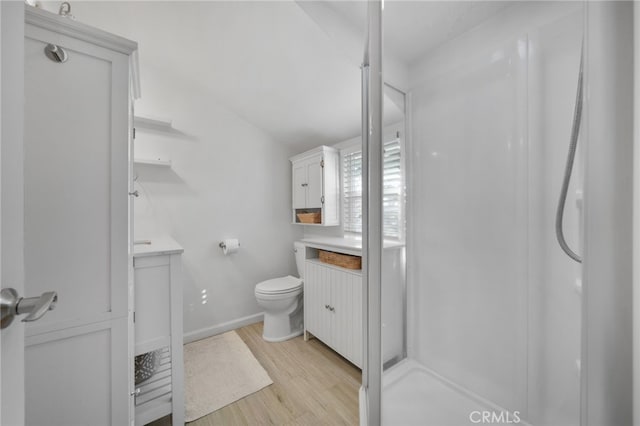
281, 299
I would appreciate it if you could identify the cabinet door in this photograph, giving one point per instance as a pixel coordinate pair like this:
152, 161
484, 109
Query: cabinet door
153, 303
314, 183
299, 185
346, 300
317, 293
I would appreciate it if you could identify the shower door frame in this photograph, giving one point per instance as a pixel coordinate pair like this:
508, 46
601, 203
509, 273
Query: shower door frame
636, 219
372, 145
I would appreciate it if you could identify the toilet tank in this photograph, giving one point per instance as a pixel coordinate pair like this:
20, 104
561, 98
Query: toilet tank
299, 250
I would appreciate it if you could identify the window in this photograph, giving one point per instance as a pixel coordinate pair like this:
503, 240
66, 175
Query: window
392, 190
352, 191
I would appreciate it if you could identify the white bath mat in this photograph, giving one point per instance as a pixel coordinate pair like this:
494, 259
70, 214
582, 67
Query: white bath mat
218, 371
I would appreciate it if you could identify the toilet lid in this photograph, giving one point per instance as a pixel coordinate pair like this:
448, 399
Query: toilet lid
279, 285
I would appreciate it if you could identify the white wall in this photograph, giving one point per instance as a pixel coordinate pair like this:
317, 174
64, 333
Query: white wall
493, 303
228, 179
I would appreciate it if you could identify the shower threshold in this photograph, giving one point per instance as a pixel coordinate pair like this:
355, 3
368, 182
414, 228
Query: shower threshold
414, 395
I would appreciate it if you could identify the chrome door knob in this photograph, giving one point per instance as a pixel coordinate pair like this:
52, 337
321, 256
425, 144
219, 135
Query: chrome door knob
12, 305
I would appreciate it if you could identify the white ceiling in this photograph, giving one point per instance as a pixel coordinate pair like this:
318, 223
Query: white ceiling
266, 61
274, 63
412, 28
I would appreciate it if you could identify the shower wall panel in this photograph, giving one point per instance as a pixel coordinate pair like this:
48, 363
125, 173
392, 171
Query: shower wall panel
470, 196
494, 303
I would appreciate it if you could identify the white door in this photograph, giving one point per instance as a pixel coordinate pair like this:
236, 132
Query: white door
76, 243
11, 234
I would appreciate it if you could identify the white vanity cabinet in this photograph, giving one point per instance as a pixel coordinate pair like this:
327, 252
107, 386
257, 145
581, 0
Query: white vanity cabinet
316, 180
333, 307
158, 327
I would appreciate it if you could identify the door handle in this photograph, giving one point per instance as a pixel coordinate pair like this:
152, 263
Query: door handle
36, 307
12, 305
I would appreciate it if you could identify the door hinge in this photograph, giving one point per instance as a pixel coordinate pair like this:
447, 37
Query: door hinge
322, 163
134, 316
134, 132
322, 199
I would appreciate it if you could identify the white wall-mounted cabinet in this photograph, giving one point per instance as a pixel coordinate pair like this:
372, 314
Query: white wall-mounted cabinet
333, 307
307, 183
316, 185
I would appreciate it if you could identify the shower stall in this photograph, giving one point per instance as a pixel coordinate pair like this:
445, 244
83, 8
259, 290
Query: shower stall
494, 323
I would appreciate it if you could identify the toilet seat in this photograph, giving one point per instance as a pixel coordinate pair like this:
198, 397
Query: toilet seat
282, 285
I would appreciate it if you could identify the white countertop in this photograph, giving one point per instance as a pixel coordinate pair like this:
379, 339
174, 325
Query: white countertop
347, 245
158, 246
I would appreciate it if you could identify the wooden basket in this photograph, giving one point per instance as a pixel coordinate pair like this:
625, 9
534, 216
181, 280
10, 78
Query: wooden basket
310, 217
339, 259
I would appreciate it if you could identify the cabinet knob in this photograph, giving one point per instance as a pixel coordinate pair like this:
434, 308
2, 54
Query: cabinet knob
304, 184
332, 309
326, 306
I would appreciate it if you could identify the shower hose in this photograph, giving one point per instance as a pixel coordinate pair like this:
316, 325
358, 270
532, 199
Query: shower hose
573, 144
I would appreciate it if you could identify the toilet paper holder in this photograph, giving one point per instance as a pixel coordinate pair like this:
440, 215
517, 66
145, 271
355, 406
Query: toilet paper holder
223, 246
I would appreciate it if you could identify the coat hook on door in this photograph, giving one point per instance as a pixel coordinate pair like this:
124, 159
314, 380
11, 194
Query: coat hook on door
56, 53
65, 10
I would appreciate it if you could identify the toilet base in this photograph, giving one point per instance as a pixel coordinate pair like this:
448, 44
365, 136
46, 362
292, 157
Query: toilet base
282, 339
283, 318
281, 326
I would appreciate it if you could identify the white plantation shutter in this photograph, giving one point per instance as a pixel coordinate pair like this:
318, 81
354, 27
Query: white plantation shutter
352, 191
392, 190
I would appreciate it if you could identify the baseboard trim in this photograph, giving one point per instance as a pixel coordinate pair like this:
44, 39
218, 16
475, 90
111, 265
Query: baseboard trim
203, 333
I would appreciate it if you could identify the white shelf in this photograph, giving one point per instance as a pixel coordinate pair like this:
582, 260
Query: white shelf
152, 123
317, 261
151, 162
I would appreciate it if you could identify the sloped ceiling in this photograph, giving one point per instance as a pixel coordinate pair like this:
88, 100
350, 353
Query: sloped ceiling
413, 28
266, 61
280, 65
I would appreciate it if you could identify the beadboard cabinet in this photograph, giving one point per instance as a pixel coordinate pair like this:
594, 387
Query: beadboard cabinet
333, 307
315, 181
